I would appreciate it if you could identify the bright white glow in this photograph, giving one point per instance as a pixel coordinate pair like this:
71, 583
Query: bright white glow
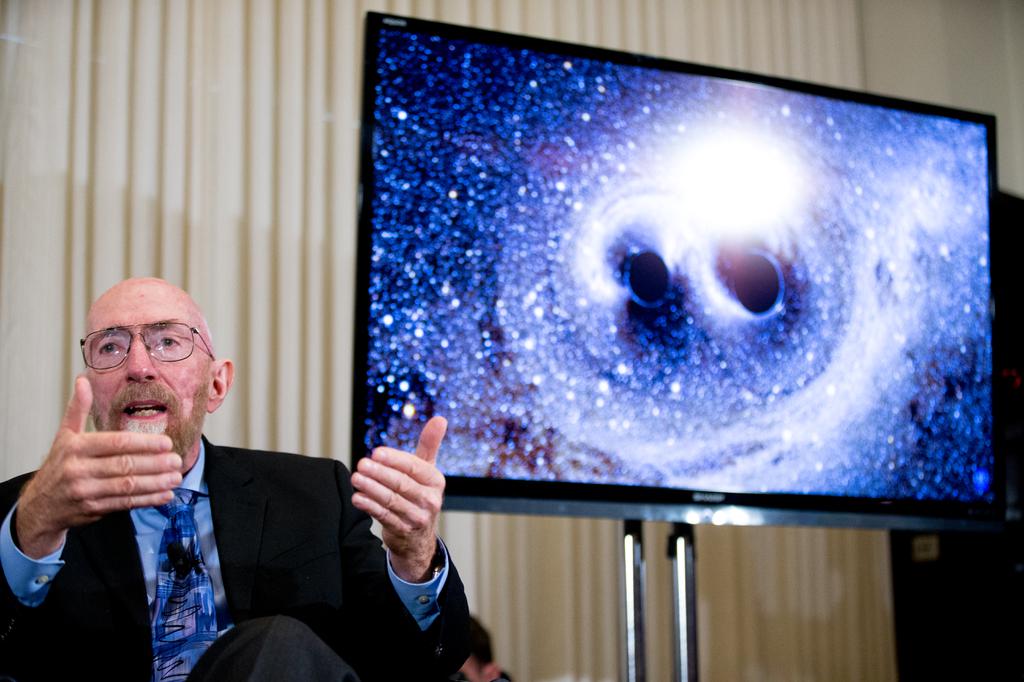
627, 547
731, 516
682, 627
717, 186
736, 182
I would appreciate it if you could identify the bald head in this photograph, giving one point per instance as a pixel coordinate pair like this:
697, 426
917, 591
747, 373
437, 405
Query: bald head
146, 392
144, 300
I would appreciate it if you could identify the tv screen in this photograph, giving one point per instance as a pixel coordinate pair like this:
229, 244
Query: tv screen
636, 281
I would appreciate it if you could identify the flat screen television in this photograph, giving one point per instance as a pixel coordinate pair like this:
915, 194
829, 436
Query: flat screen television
644, 288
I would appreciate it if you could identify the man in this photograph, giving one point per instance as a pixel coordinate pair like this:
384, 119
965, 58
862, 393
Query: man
125, 531
480, 666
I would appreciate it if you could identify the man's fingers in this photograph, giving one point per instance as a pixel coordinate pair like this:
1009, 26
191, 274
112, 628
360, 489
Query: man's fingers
132, 465
77, 413
399, 517
107, 505
141, 501
395, 463
382, 483
123, 442
430, 439
386, 493
398, 493
103, 495
386, 517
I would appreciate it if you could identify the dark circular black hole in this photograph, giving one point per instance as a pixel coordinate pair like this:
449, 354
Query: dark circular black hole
755, 278
647, 278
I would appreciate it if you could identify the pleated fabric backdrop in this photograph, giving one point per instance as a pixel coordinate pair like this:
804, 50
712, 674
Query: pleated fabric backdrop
215, 143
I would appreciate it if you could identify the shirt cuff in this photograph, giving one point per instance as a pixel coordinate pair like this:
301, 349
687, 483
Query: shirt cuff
421, 598
28, 578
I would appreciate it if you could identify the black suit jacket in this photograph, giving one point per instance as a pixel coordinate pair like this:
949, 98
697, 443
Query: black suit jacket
290, 542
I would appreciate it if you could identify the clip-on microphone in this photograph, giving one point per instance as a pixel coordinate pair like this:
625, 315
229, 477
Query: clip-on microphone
181, 559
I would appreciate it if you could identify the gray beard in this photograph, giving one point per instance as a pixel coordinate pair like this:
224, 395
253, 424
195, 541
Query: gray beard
184, 431
139, 427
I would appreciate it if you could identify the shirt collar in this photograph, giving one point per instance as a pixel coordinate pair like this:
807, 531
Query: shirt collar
194, 479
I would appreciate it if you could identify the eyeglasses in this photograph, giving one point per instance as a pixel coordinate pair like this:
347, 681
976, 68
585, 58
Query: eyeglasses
165, 341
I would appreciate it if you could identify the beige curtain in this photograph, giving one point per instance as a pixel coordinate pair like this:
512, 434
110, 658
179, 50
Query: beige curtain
215, 143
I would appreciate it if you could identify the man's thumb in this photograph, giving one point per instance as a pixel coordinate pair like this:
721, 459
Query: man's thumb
77, 414
430, 439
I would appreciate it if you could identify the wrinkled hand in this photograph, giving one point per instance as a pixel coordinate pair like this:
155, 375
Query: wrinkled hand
87, 475
404, 491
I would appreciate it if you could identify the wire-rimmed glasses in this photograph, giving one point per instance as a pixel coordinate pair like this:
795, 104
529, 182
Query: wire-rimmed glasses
165, 341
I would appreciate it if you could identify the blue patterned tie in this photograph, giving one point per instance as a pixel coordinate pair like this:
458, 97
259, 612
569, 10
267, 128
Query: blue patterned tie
184, 615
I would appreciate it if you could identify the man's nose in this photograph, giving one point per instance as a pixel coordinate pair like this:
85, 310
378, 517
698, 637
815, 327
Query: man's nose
139, 363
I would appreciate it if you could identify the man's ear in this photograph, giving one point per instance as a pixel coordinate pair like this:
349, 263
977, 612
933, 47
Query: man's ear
222, 373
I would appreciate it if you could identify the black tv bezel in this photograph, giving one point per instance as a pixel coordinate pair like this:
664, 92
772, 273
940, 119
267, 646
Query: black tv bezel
564, 498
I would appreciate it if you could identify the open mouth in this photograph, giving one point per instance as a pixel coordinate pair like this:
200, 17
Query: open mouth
145, 409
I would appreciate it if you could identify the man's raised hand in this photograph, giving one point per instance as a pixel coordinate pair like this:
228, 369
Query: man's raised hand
87, 475
404, 491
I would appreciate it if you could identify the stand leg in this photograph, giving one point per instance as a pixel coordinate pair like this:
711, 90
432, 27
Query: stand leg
680, 551
633, 563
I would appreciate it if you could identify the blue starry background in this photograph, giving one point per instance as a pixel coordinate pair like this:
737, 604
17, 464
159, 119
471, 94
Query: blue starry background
606, 273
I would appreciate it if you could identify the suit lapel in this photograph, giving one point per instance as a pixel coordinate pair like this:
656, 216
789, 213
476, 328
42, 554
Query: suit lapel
238, 505
110, 545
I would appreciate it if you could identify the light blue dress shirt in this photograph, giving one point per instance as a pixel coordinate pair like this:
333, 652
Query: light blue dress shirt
29, 579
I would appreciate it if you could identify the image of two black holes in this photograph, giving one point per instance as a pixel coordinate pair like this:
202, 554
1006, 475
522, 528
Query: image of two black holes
754, 278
